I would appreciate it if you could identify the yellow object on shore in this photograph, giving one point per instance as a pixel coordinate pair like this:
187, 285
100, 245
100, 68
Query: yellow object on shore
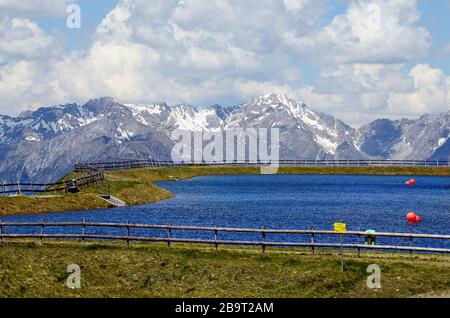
340, 228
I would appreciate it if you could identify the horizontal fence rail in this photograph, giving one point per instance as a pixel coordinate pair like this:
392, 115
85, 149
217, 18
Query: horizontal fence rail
92, 177
127, 164
215, 232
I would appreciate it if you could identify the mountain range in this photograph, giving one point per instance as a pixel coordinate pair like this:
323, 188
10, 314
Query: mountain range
45, 143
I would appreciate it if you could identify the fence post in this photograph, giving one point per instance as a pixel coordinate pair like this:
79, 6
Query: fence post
342, 253
216, 234
359, 242
128, 233
312, 242
42, 231
169, 235
410, 245
263, 245
84, 231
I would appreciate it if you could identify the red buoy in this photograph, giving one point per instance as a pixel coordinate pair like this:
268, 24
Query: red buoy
411, 217
411, 182
418, 219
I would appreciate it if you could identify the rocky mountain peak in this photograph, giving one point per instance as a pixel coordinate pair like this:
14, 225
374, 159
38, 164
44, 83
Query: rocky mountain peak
102, 105
274, 101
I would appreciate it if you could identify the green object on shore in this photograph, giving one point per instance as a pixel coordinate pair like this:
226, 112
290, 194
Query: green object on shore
371, 239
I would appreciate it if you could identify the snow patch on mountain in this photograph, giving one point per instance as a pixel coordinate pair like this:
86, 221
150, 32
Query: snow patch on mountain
87, 121
441, 142
195, 119
32, 137
142, 112
327, 144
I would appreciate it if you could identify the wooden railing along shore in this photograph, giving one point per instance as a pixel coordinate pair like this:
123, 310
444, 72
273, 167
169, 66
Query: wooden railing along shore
128, 164
91, 178
169, 237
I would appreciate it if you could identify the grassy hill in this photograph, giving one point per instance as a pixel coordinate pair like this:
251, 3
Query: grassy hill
153, 270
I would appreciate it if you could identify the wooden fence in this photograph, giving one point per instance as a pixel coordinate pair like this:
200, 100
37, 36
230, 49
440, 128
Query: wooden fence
92, 177
215, 240
127, 164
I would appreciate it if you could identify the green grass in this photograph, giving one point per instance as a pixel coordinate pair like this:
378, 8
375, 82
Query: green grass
136, 186
152, 270
30, 205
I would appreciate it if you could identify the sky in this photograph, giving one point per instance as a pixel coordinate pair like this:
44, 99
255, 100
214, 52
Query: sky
358, 60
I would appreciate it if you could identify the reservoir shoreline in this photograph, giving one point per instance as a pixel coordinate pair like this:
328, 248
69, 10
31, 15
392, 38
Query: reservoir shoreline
138, 186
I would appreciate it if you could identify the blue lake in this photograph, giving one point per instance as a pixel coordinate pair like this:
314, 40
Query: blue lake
284, 202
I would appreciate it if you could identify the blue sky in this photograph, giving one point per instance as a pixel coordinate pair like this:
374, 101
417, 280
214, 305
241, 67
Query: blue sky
436, 18
325, 53
93, 12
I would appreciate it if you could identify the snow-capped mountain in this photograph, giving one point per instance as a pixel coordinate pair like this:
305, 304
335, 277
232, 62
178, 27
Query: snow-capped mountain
44, 144
423, 138
304, 133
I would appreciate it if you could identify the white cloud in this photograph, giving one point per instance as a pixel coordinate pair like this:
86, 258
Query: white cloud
115, 23
122, 70
35, 8
23, 37
375, 31
358, 92
294, 4
19, 89
242, 30
431, 92
362, 78
201, 59
249, 89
